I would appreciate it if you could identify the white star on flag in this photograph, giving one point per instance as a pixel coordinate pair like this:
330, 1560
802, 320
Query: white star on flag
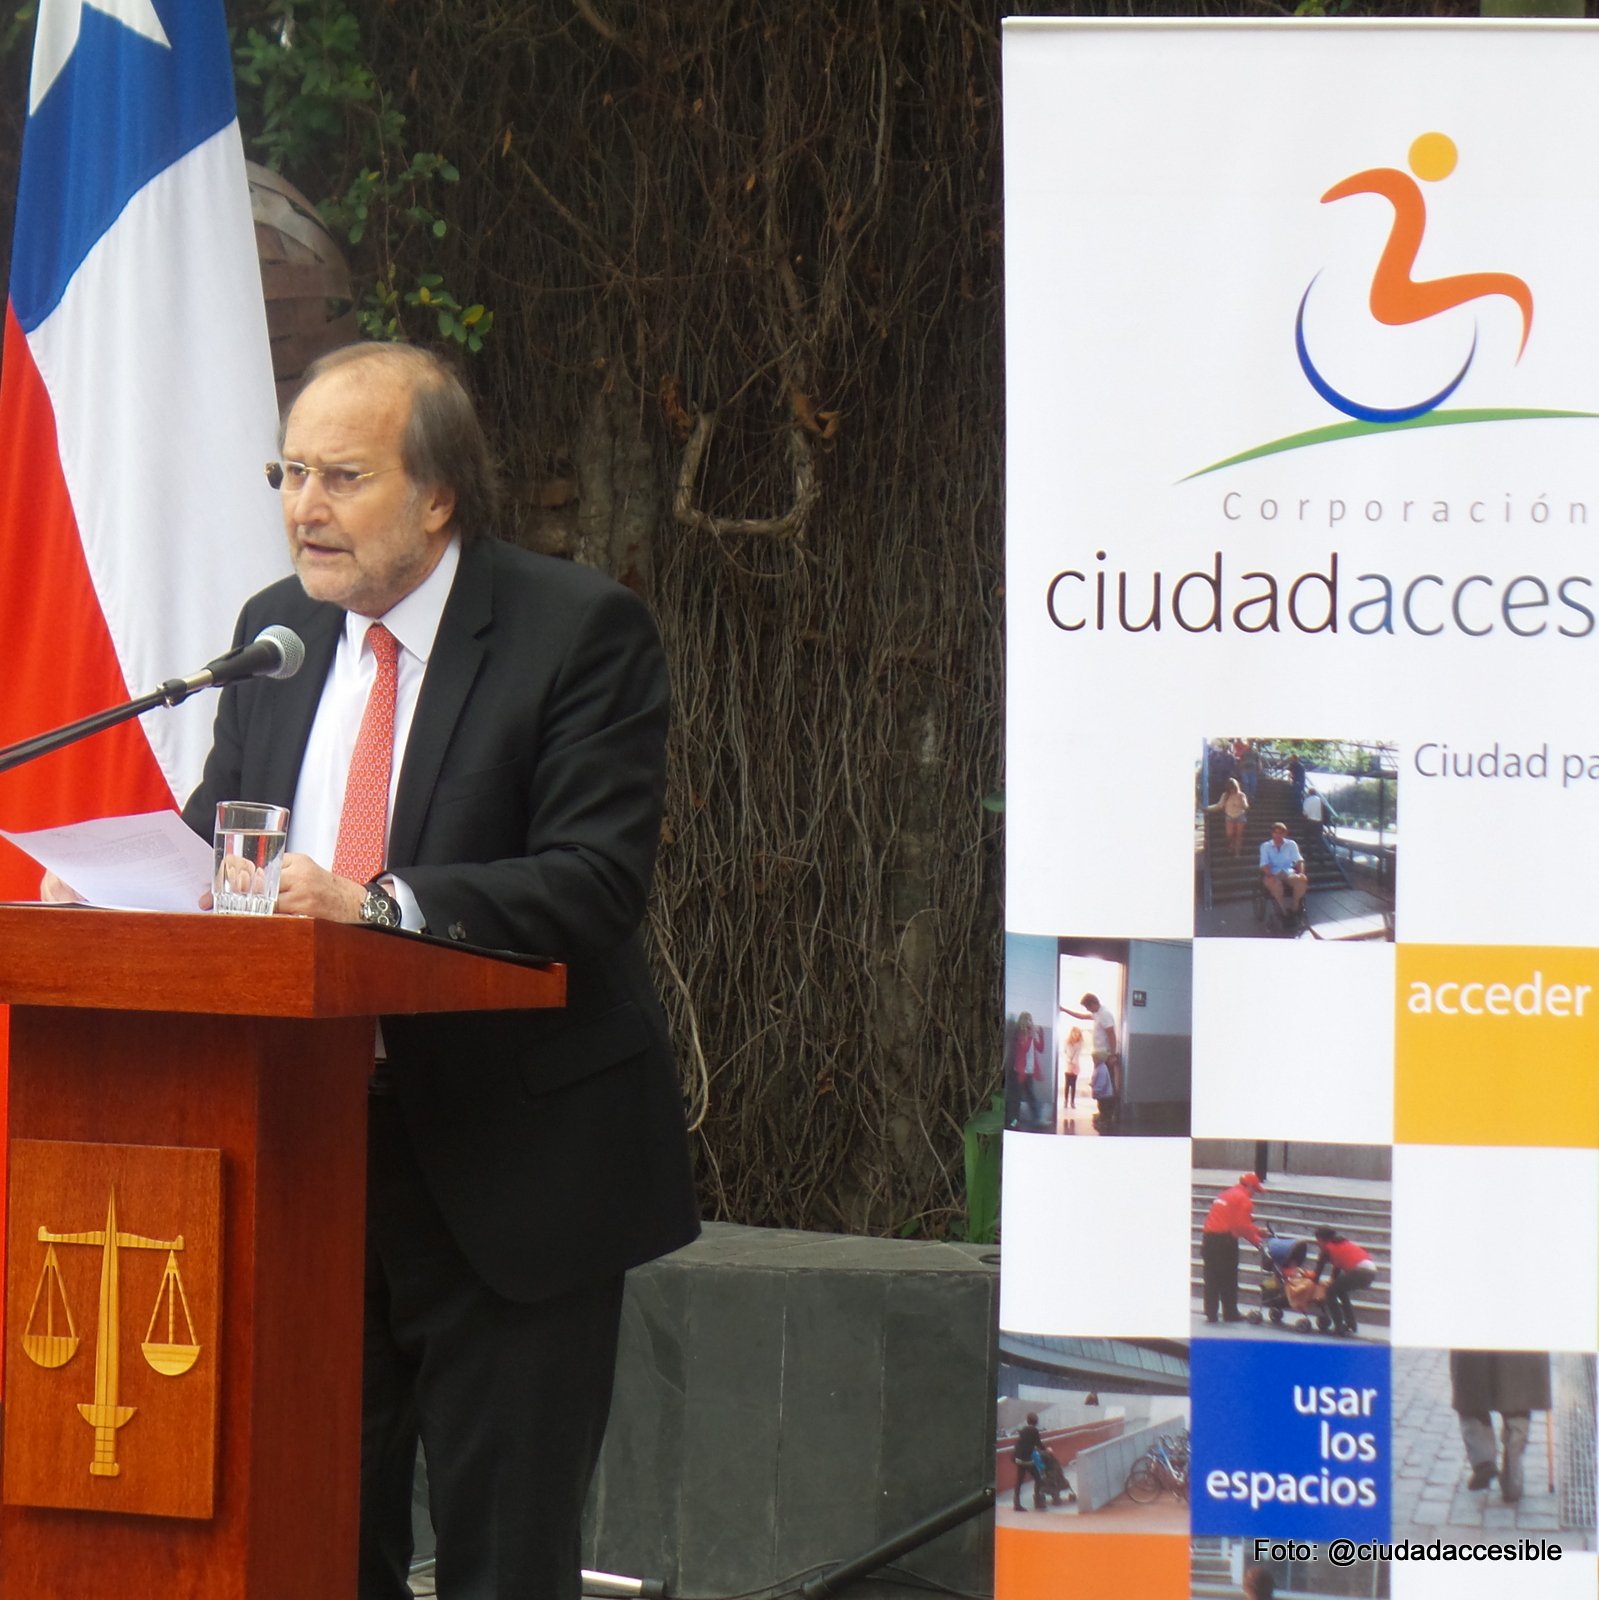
57, 36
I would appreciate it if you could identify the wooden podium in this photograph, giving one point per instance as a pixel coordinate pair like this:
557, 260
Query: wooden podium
184, 1245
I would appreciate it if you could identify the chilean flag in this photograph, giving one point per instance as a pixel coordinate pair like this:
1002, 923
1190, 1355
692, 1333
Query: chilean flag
136, 407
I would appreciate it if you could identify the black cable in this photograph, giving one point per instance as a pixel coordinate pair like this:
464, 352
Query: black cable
828, 1577
918, 1533
792, 1585
919, 1580
773, 1591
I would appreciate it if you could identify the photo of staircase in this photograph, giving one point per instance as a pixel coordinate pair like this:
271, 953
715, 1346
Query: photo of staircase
1349, 858
1306, 1187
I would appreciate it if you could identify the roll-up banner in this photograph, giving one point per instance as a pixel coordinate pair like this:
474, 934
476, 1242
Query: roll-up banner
1300, 1285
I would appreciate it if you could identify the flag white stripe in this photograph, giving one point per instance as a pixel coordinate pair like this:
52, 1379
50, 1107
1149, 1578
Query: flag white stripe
165, 411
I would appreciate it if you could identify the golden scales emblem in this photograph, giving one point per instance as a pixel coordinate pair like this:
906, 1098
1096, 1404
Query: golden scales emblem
48, 1348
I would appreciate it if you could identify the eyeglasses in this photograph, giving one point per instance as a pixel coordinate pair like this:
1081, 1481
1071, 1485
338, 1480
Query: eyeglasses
291, 477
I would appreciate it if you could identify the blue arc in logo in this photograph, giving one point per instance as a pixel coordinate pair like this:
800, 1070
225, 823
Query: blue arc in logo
1353, 408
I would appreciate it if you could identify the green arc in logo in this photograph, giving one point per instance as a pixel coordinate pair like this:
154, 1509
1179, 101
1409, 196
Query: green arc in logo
1355, 430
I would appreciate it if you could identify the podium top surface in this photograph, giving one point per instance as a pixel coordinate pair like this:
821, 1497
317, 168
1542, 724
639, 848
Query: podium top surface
295, 967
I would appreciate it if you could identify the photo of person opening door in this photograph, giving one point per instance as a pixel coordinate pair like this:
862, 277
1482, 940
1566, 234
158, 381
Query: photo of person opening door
1098, 1035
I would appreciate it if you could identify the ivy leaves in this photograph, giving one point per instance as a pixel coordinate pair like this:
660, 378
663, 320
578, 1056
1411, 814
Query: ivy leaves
326, 120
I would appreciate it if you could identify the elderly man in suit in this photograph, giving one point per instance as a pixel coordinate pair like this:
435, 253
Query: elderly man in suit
475, 749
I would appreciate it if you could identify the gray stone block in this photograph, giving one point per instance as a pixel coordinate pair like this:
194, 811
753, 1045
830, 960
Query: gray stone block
786, 1399
939, 1325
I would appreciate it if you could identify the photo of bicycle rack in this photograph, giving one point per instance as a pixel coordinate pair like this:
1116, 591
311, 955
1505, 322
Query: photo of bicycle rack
1091, 1435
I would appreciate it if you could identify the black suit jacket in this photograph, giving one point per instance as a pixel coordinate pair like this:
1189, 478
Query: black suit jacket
526, 819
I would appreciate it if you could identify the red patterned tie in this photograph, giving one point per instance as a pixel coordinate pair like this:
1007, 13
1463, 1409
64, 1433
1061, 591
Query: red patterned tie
363, 823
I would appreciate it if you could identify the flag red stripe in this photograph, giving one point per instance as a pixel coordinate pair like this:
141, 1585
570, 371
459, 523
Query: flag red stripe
59, 663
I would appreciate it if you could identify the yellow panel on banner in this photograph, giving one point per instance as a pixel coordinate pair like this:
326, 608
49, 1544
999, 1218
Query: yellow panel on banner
1497, 1045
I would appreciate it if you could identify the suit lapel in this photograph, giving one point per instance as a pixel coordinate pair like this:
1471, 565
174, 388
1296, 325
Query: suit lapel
290, 708
451, 671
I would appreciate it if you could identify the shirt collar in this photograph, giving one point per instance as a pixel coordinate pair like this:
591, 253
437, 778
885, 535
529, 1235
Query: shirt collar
414, 621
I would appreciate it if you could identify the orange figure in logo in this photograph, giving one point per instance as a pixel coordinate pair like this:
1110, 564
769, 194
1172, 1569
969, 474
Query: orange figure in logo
1396, 298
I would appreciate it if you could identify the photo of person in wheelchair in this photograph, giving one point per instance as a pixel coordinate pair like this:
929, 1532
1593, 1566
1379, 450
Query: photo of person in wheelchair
1283, 877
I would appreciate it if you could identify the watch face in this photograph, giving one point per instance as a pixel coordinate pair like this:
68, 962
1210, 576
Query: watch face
378, 910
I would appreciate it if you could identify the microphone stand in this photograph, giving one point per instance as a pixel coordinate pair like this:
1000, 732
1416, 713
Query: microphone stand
171, 693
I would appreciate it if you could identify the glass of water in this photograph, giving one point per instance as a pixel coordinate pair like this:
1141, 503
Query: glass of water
249, 857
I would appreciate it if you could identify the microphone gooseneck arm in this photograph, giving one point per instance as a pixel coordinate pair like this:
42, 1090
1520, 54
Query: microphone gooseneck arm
276, 652
16, 755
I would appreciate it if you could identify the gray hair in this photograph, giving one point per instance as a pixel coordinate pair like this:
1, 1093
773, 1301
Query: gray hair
443, 443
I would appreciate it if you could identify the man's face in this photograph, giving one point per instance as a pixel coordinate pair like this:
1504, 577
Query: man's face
367, 550
1278, 834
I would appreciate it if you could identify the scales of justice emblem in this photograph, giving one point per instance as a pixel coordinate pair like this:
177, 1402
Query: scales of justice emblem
171, 1357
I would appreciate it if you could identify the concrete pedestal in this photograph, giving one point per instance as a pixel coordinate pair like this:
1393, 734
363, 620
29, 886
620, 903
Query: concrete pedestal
786, 1399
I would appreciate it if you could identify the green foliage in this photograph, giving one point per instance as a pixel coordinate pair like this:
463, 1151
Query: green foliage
467, 326
1534, 8
982, 1134
1334, 755
323, 118
16, 28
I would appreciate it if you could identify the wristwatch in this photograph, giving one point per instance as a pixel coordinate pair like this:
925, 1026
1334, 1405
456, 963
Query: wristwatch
380, 909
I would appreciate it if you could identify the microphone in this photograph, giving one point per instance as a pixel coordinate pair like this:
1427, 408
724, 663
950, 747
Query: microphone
275, 652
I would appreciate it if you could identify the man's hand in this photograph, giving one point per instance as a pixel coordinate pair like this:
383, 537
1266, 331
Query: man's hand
242, 877
54, 892
307, 890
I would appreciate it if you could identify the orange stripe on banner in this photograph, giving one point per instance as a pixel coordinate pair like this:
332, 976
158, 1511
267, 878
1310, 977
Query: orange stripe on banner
59, 662
1089, 1566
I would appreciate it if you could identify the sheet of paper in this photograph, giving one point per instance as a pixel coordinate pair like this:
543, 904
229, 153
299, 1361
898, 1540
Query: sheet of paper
152, 862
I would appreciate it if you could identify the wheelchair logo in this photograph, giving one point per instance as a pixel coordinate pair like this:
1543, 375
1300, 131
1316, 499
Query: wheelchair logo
1396, 297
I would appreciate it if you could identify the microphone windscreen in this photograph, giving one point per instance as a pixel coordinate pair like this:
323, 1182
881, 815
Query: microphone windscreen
292, 646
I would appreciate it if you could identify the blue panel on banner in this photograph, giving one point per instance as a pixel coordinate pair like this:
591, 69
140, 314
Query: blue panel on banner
122, 109
1290, 1441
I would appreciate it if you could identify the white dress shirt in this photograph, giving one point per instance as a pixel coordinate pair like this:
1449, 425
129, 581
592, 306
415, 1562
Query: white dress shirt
325, 770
